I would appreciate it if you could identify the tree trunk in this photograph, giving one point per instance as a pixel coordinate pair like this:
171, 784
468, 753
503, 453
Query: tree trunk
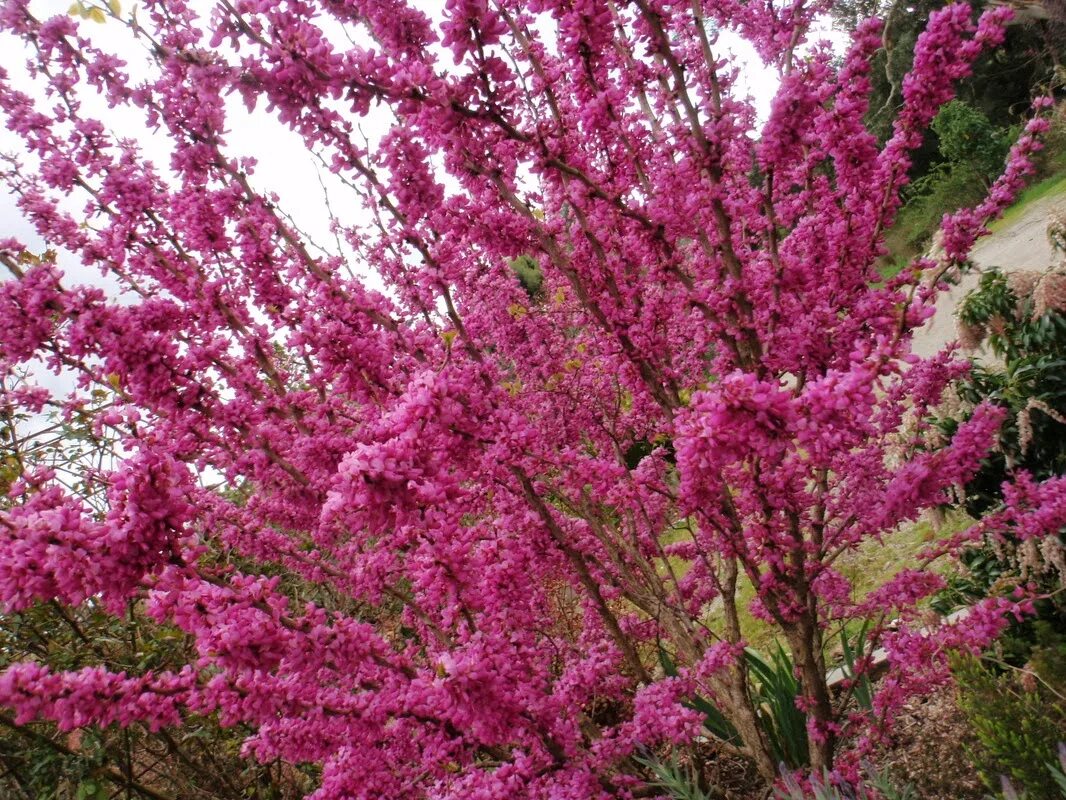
746, 722
805, 642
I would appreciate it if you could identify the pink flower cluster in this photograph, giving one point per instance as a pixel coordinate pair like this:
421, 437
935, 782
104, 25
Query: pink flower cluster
518, 494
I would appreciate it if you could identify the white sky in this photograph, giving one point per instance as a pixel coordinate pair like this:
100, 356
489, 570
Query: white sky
284, 166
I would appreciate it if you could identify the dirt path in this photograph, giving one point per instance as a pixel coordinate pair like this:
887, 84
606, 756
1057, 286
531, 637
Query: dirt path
1021, 245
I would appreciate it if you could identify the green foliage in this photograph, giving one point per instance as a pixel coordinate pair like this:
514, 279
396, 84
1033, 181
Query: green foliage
972, 131
983, 568
202, 761
854, 651
680, 782
847, 14
970, 153
1058, 775
825, 788
529, 274
1017, 717
773, 687
35, 770
642, 448
991, 300
714, 720
939, 192
94, 13
1028, 379
967, 138
1052, 159
1002, 82
1029, 382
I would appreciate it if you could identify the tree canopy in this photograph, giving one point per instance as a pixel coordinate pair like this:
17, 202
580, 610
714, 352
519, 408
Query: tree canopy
486, 524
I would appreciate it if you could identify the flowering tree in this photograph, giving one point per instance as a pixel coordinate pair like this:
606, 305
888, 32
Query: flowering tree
517, 492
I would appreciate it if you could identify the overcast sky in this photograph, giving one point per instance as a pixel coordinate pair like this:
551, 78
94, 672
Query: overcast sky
285, 167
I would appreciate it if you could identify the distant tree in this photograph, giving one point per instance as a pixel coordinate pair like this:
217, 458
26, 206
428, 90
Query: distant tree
1003, 79
968, 140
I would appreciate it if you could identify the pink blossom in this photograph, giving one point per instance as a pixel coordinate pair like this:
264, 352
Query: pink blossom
511, 499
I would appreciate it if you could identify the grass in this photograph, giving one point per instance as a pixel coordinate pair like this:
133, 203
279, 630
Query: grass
917, 220
1049, 187
868, 567
891, 267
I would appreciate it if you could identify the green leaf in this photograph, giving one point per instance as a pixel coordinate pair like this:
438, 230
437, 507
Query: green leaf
714, 720
668, 665
90, 790
1059, 778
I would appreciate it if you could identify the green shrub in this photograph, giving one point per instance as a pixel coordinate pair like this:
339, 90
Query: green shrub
529, 274
971, 153
1052, 159
854, 651
678, 781
1058, 775
967, 138
941, 191
1015, 316
774, 688
1018, 718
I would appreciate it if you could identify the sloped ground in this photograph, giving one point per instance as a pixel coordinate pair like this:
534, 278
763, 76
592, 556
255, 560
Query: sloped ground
1021, 244
931, 735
